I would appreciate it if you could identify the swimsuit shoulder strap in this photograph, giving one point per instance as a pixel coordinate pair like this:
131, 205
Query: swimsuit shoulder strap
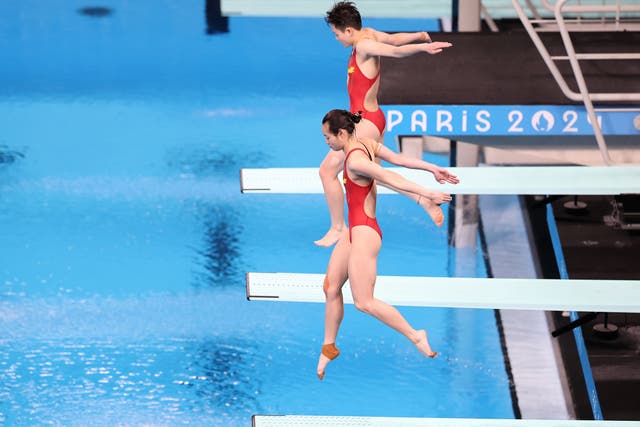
368, 152
364, 150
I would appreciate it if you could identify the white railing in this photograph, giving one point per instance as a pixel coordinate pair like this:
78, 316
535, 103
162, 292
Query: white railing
599, 17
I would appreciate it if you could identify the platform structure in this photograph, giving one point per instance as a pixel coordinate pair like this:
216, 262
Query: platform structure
461, 94
562, 82
570, 17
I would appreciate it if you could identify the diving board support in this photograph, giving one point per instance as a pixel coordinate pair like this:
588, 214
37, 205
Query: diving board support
343, 421
574, 324
613, 296
525, 180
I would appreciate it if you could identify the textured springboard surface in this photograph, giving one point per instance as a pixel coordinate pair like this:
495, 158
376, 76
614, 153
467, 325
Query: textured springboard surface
532, 180
622, 296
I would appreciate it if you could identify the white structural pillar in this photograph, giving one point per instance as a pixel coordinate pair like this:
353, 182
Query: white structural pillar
465, 221
466, 15
464, 212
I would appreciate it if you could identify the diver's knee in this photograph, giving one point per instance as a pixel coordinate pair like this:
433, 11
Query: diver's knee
365, 305
327, 172
330, 292
325, 286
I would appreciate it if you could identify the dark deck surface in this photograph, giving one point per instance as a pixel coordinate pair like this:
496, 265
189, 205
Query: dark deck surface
594, 250
505, 69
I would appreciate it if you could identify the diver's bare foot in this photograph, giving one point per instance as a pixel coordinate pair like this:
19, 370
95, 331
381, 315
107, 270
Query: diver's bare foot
329, 352
422, 343
329, 239
434, 210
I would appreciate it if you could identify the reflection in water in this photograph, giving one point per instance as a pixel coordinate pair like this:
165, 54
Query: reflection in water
211, 161
9, 156
95, 11
222, 377
221, 251
216, 23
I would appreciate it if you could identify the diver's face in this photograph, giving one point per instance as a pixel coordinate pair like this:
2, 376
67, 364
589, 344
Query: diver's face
333, 141
344, 37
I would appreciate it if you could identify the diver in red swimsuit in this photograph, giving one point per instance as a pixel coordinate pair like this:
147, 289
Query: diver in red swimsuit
355, 255
356, 196
358, 85
363, 81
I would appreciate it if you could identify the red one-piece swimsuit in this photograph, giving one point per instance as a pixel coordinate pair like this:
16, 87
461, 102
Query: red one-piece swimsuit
356, 195
357, 86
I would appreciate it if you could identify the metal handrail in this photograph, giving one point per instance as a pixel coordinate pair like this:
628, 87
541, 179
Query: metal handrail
488, 18
582, 85
534, 9
610, 15
600, 56
583, 94
617, 8
546, 57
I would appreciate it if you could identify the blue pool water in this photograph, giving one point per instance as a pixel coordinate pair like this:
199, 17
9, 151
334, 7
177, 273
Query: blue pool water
125, 239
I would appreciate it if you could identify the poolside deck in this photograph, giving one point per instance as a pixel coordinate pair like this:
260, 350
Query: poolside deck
592, 249
529, 349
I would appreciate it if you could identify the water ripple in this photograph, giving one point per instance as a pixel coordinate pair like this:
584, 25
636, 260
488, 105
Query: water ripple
179, 382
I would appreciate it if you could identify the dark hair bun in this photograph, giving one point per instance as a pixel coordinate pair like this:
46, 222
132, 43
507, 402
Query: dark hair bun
356, 117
